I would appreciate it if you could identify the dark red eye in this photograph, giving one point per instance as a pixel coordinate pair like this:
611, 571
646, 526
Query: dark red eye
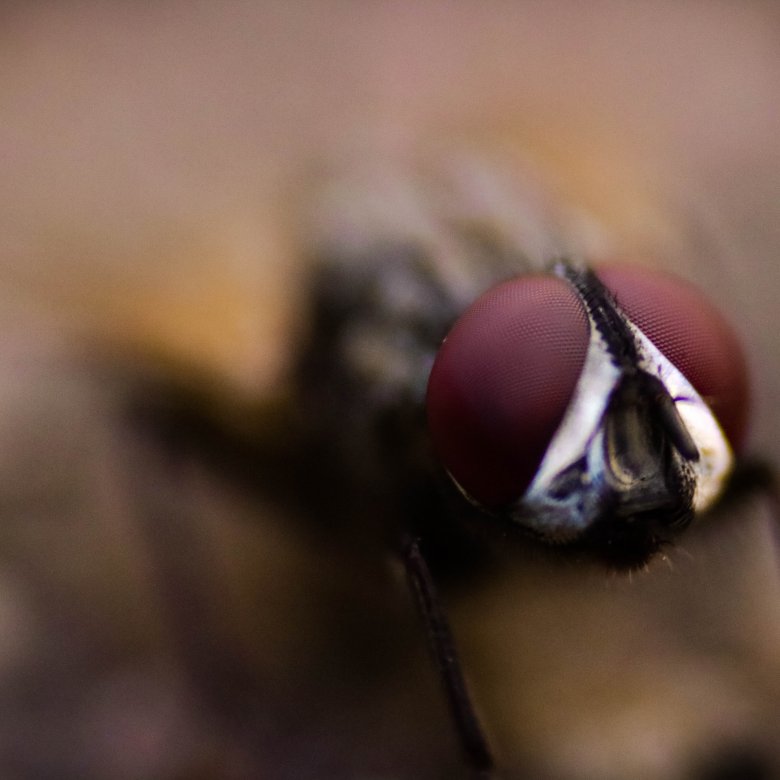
692, 334
501, 384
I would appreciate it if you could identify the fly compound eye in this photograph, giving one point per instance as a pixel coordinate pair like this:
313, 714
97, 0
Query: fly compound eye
502, 382
691, 334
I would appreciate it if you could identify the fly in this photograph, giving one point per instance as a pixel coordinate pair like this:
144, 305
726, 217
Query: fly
450, 381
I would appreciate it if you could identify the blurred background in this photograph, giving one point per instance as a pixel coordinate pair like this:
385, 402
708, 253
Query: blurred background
158, 621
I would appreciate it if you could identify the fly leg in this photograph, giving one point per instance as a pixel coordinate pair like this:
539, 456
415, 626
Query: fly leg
753, 476
468, 728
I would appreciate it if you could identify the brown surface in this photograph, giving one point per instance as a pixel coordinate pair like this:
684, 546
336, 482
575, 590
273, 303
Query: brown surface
152, 162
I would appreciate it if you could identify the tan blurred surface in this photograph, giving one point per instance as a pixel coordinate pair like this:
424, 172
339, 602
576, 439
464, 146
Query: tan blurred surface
153, 163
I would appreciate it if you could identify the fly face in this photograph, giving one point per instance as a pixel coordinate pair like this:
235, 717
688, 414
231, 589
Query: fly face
614, 449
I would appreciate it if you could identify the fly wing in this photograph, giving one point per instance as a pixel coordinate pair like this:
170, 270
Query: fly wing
474, 221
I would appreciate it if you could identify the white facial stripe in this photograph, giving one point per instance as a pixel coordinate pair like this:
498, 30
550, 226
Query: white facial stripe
583, 415
579, 435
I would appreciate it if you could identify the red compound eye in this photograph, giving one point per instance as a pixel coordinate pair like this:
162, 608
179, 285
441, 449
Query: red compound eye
501, 384
692, 334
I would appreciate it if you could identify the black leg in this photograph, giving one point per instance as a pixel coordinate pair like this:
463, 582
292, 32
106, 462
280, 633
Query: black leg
753, 476
467, 726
